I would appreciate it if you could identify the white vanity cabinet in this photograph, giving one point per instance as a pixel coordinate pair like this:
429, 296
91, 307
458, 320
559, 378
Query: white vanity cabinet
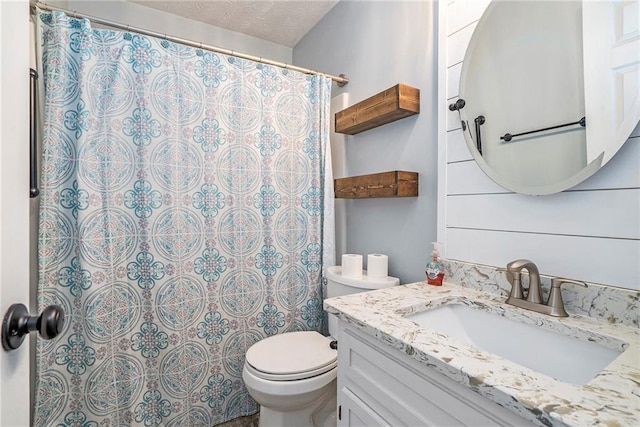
380, 386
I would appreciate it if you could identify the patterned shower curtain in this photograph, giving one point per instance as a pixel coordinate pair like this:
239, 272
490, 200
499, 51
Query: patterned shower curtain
181, 221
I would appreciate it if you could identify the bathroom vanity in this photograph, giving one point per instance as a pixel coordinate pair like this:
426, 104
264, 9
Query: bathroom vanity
394, 369
381, 386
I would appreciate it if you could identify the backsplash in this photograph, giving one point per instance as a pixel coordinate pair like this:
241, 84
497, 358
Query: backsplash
614, 305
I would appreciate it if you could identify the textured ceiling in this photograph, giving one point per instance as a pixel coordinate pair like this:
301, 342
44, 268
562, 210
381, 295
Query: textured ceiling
281, 21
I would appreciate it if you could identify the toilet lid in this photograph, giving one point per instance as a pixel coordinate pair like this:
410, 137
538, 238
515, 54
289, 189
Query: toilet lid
293, 355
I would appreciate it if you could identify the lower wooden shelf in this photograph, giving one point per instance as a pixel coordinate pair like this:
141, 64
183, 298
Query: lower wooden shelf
383, 184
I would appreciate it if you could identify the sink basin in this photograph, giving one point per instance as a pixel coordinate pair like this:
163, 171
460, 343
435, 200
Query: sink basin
564, 358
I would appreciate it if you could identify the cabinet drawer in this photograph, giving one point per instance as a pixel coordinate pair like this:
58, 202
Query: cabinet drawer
356, 413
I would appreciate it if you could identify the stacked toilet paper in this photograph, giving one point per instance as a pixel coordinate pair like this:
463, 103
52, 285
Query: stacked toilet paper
352, 265
377, 265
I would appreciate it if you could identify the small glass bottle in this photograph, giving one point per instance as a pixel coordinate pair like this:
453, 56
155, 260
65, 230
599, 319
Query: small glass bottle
434, 272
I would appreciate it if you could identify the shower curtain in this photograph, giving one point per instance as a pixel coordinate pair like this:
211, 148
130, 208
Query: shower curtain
182, 220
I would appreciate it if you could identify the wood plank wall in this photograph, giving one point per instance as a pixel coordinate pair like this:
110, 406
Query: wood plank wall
590, 232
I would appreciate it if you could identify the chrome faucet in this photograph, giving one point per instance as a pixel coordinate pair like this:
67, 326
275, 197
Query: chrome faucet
533, 301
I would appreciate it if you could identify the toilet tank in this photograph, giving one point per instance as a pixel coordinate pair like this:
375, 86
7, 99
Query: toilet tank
338, 285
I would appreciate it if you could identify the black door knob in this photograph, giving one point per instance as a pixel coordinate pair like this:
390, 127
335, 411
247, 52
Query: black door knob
50, 322
17, 324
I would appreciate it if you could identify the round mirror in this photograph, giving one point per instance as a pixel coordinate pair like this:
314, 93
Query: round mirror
550, 90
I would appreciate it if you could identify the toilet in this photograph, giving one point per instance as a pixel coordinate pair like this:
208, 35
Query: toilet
293, 375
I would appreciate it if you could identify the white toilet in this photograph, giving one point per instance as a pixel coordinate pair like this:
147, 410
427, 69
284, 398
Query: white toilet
293, 375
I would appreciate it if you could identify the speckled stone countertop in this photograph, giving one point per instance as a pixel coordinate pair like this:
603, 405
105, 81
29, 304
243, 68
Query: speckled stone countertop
610, 399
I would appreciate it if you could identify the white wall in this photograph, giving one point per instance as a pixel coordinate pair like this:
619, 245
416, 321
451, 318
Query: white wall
590, 232
151, 19
339, 168
378, 44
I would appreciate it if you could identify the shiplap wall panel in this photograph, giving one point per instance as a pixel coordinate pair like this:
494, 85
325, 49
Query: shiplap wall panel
457, 147
463, 13
487, 224
453, 80
575, 213
458, 42
465, 177
453, 119
583, 258
468, 178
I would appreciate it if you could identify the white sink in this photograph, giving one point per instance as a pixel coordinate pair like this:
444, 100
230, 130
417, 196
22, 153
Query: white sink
564, 358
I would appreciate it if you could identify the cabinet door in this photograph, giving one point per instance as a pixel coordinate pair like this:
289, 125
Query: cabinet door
355, 413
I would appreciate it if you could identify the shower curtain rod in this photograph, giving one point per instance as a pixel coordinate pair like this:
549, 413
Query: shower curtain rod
341, 80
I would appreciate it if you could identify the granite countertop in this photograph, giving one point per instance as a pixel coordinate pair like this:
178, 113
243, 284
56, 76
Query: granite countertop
611, 399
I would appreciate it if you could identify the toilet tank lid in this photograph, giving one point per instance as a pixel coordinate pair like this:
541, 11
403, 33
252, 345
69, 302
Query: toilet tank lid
365, 282
291, 353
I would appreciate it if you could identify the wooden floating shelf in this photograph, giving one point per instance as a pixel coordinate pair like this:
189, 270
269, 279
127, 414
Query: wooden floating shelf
393, 104
384, 184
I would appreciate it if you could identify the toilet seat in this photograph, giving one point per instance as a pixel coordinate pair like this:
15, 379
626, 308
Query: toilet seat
290, 377
291, 356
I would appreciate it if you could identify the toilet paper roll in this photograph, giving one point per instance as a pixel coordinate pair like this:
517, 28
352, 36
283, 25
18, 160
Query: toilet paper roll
377, 265
352, 265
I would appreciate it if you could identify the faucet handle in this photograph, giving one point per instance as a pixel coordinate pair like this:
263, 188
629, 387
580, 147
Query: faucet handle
557, 281
514, 278
555, 301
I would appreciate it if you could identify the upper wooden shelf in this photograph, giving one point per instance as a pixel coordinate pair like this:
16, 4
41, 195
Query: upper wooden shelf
393, 104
